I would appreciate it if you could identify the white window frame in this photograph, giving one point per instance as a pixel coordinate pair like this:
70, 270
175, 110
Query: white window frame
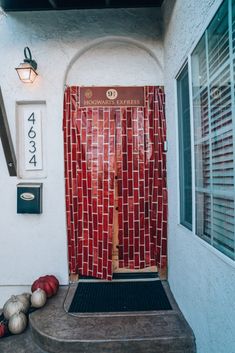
188, 61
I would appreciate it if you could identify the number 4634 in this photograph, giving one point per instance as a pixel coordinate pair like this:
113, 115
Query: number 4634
32, 135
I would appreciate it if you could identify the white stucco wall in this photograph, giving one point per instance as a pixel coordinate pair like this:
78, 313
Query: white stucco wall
114, 61
32, 245
201, 279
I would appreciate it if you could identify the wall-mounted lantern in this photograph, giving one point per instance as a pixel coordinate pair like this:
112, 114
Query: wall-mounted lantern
27, 70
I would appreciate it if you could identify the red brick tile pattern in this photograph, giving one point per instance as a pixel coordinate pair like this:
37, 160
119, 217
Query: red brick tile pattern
94, 140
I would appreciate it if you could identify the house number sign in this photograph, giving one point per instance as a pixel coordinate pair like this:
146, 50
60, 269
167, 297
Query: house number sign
33, 139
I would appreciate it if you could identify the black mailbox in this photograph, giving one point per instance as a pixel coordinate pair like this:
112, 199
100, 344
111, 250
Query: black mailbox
29, 198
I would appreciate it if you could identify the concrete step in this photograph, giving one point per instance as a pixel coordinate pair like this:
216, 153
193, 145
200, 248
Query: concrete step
56, 331
22, 343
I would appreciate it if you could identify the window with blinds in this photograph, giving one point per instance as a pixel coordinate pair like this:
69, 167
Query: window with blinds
213, 73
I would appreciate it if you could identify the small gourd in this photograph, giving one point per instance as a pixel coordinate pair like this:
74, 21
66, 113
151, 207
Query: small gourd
38, 298
17, 323
14, 305
3, 329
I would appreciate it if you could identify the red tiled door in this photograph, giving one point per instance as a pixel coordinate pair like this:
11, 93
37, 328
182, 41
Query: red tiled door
102, 143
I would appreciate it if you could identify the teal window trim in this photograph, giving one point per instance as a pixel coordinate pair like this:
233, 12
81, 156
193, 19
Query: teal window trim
185, 162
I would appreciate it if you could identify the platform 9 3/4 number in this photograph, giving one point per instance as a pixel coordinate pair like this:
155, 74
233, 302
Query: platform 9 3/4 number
33, 143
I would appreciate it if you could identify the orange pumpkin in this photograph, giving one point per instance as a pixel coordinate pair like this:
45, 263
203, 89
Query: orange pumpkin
49, 284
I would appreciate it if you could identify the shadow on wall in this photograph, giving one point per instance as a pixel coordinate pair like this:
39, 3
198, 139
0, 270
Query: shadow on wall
167, 13
76, 25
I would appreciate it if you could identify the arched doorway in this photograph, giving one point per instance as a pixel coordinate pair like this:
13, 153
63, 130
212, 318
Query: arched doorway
115, 164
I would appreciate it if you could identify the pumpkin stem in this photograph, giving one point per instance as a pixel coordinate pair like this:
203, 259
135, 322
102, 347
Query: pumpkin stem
14, 298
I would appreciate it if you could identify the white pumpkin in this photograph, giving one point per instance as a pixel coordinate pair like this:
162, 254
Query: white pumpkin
26, 300
17, 323
14, 305
38, 298
26, 295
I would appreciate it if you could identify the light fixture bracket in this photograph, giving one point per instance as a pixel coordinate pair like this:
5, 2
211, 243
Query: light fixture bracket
28, 58
27, 70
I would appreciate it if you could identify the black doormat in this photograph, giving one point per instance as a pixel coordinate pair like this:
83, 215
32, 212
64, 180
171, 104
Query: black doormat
93, 297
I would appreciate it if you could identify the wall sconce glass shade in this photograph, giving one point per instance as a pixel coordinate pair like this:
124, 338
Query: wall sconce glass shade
27, 70
26, 73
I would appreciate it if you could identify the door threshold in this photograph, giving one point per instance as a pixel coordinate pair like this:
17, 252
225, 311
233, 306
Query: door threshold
139, 270
124, 277
135, 275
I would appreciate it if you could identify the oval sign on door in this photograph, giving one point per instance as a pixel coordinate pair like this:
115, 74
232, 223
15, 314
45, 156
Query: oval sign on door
111, 93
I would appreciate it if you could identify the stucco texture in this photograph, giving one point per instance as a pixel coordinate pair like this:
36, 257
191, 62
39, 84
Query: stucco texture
118, 47
130, 48
201, 279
